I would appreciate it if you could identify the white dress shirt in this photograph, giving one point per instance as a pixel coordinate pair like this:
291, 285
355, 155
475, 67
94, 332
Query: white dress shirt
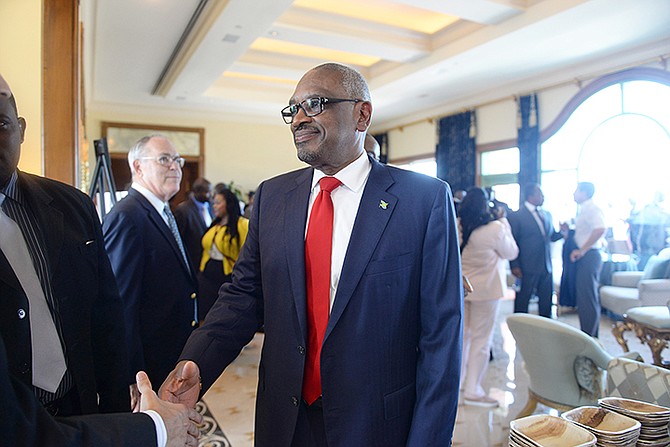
536, 215
153, 200
589, 218
346, 199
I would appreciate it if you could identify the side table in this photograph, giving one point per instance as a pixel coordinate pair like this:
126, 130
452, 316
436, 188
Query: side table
651, 324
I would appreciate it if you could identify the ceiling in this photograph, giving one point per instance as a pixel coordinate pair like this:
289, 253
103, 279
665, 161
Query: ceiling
240, 59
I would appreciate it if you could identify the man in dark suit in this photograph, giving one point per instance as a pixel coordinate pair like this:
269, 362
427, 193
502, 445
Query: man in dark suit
64, 271
157, 283
533, 231
390, 346
25, 423
194, 215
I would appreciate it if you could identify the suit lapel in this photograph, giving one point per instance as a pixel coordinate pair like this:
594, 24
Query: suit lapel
49, 220
7, 274
157, 220
374, 212
295, 221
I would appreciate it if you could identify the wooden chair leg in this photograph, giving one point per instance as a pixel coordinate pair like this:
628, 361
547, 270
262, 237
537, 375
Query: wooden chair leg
530, 407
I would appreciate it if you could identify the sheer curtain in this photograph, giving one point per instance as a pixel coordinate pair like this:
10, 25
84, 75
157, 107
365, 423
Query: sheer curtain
455, 151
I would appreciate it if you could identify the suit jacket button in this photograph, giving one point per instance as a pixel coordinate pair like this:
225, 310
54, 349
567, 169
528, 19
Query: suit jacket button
24, 368
22, 314
295, 401
194, 323
193, 295
301, 350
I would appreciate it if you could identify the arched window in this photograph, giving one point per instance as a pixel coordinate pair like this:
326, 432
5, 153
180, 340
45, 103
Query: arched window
616, 134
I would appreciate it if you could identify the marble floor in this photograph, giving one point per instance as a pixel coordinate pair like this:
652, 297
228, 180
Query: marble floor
231, 399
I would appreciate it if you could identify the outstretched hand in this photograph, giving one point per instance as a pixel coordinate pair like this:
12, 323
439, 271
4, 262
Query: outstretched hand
182, 384
180, 421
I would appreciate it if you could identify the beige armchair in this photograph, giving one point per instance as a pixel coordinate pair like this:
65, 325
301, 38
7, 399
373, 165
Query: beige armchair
565, 366
629, 290
636, 289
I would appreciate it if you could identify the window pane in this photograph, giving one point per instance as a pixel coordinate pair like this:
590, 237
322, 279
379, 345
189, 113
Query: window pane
561, 151
648, 98
503, 161
558, 187
508, 193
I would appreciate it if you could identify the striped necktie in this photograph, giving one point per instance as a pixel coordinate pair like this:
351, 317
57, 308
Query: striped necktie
48, 360
172, 223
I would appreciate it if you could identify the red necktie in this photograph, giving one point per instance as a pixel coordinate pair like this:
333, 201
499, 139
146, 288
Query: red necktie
318, 250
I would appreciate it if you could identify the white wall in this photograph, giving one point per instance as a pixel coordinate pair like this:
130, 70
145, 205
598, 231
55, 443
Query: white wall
412, 140
21, 66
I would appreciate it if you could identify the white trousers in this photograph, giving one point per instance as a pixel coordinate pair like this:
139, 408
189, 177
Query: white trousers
478, 320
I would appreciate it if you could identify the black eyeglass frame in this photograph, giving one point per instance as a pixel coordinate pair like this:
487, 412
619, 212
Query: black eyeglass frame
289, 112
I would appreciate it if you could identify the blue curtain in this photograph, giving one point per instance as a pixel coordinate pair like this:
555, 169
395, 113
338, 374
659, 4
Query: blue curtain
455, 152
528, 140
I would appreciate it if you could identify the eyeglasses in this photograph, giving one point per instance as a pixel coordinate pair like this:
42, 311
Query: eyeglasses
166, 161
311, 107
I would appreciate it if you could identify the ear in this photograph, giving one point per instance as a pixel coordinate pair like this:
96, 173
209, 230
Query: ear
22, 126
137, 168
364, 116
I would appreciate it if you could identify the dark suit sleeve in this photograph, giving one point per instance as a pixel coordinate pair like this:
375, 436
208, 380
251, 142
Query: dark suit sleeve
125, 247
111, 355
441, 304
25, 423
555, 235
236, 315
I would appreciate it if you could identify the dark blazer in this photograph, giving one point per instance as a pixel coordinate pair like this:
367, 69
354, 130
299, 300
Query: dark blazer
191, 227
25, 423
534, 247
158, 290
85, 291
391, 354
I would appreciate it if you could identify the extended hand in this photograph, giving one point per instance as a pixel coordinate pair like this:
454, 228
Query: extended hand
180, 421
182, 384
576, 255
516, 271
134, 398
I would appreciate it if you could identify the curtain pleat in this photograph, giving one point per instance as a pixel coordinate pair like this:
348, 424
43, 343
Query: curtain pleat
528, 140
455, 151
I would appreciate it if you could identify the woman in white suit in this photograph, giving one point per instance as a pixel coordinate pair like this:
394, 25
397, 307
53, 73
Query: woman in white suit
486, 246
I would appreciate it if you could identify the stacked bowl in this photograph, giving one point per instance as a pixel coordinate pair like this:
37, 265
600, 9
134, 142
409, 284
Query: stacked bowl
548, 431
654, 419
611, 429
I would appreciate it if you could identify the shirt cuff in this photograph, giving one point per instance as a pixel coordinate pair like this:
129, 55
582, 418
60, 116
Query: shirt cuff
161, 431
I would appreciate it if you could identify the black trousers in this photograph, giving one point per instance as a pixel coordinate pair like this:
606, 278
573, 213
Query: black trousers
310, 430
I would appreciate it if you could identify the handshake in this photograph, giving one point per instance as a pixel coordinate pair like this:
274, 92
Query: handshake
180, 422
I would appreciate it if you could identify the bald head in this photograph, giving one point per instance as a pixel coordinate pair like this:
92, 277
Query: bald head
13, 131
6, 92
4, 88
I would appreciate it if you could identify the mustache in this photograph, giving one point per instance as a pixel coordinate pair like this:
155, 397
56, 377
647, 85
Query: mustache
304, 126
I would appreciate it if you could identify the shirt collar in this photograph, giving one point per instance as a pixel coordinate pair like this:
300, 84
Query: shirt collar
151, 197
12, 190
530, 206
352, 176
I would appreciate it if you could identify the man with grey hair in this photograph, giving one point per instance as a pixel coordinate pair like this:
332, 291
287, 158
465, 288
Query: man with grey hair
157, 282
354, 269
